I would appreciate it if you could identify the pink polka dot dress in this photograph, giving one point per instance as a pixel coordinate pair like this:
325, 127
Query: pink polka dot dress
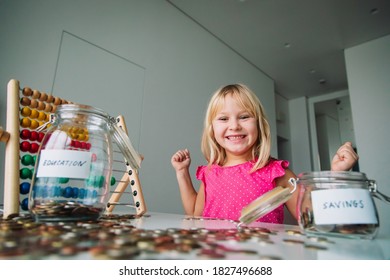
229, 189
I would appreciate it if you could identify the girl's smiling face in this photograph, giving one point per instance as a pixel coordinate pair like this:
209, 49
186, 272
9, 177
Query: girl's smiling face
235, 130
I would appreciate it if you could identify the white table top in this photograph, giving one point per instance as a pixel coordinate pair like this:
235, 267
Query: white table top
286, 242
143, 239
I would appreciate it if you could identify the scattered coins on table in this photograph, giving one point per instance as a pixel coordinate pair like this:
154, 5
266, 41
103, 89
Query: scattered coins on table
114, 237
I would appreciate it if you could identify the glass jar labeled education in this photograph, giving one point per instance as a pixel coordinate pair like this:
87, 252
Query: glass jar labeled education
338, 204
73, 169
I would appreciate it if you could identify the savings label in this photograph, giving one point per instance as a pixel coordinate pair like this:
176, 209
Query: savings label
343, 206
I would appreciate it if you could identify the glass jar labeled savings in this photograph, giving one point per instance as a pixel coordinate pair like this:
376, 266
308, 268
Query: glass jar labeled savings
338, 204
74, 164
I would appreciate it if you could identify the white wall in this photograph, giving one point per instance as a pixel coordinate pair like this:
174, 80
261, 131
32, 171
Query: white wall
368, 68
300, 138
183, 65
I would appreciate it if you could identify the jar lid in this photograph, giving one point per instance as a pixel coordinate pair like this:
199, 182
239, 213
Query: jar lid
332, 176
265, 204
126, 147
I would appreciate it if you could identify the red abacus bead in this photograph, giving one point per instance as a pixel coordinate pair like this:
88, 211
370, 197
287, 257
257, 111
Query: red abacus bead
77, 144
25, 134
34, 147
34, 136
83, 145
40, 136
25, 146
88, 146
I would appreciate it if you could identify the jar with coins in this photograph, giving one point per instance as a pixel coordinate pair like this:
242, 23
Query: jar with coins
73, 169
338, 204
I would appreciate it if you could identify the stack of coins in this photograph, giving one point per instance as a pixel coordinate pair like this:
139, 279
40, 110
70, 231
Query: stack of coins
114, 237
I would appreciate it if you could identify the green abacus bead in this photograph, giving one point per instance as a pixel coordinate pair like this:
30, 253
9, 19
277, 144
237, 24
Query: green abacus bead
63, 180
25, 173
113, 181
28, 160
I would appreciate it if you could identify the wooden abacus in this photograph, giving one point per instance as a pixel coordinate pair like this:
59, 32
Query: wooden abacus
28, 111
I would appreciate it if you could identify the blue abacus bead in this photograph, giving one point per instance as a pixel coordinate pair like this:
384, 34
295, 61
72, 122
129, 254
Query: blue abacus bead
24, 204
75, 192
24, 188
68, 192
45, 191
81, 193
57, 191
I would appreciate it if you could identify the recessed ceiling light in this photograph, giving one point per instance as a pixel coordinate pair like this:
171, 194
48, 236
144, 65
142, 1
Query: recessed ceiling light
374, 11
322, 81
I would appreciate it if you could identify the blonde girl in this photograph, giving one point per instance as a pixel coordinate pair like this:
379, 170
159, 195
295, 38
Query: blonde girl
236, 143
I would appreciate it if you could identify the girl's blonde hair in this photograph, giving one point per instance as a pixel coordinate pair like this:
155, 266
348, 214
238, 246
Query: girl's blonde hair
212, 151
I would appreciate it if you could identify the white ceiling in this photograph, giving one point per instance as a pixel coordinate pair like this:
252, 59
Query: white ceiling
298, 43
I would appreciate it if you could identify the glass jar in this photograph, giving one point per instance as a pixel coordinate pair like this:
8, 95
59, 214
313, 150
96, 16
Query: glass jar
74, 164
338, 204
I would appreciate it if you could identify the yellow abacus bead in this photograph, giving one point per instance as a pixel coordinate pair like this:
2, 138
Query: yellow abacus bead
86, 137
34, 114
34, 124
25, 122
81, 137
41, 116
25, 112
41, 123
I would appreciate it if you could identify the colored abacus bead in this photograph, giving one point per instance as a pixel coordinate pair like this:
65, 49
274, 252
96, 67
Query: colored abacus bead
63, 180
67, 192
25, 122
34, 124
113, 181
25, 173
34, 136
25, 146
34, 147
34, 114
24, 188
24, 204
25, 112
28, 160
25, 134
25, 101
40, 136
27, 91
